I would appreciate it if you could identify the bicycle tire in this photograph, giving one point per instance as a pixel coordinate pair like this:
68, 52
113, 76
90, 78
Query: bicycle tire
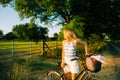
85, 76
54, 75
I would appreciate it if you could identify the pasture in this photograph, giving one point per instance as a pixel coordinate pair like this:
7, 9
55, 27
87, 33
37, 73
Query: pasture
17, 48
23, 60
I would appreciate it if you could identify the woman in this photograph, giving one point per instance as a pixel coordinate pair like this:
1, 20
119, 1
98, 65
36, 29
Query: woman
69, 52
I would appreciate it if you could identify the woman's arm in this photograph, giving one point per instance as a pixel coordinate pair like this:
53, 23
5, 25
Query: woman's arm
62, 63
79, 42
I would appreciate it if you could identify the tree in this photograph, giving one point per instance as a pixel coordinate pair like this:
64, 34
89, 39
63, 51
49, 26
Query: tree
38, 32
5, 2
1, 34
43, 32
24, 32
76, 27
45, 10
55, 36
98, 16
10, 36
94, 14
21, 31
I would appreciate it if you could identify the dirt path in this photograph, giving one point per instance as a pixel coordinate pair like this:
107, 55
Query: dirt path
110, 70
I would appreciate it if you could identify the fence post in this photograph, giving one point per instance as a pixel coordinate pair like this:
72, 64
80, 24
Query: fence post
30, 46
12, 48
56, 44
42, 47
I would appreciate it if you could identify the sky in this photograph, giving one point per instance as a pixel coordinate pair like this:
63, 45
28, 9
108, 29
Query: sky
10, 18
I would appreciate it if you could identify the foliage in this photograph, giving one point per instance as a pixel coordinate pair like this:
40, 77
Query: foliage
37, 33
76, 26
1, 34
95, 43
98, 17
96, 22
94, 38
57, 53
10, 36
5, 2
55, 36
21, 31
24, 32
42, 9
96, 47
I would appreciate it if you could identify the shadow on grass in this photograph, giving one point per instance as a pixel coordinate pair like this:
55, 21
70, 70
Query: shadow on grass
117, 70
9, 55
112, 49
4, 69
39, 65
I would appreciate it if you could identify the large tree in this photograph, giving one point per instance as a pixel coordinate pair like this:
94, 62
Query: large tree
98, 16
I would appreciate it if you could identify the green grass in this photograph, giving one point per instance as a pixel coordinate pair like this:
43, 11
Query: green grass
30, 67
23, 68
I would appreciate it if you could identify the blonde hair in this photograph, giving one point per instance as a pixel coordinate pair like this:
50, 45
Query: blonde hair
68, 34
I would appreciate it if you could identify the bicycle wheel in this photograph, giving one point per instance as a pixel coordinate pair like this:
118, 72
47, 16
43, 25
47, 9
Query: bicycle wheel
85, 76
54, 75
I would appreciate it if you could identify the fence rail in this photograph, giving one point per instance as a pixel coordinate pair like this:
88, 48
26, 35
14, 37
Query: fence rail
17, 48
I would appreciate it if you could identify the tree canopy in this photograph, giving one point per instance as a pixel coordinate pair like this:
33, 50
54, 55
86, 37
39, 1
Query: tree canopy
96, 16
10, 36
1, 34
23, 32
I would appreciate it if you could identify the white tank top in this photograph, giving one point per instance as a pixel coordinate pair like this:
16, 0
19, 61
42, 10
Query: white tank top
70, 49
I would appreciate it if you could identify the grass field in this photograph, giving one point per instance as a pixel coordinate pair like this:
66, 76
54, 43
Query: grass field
28, 66
27, 61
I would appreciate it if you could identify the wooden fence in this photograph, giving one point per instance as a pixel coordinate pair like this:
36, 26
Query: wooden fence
19, 48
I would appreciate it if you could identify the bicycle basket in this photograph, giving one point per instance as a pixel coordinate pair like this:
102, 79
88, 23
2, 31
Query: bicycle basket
93, 65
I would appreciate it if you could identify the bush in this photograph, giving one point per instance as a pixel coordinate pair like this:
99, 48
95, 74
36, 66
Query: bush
57, 53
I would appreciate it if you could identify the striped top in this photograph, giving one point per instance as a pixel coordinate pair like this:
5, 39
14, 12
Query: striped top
69, 49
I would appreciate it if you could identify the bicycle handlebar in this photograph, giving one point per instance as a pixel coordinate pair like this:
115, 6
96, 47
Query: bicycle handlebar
81, 58
77, 58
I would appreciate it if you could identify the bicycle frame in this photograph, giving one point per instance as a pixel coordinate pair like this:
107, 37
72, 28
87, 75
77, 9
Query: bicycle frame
83, 71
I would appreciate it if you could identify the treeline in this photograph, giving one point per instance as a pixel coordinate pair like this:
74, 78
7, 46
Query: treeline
86, 18
24, 32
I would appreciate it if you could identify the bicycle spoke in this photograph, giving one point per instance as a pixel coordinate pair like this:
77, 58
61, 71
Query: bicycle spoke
84, 76
54, 75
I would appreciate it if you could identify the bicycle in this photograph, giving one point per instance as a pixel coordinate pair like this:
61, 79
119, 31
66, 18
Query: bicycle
84, 74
